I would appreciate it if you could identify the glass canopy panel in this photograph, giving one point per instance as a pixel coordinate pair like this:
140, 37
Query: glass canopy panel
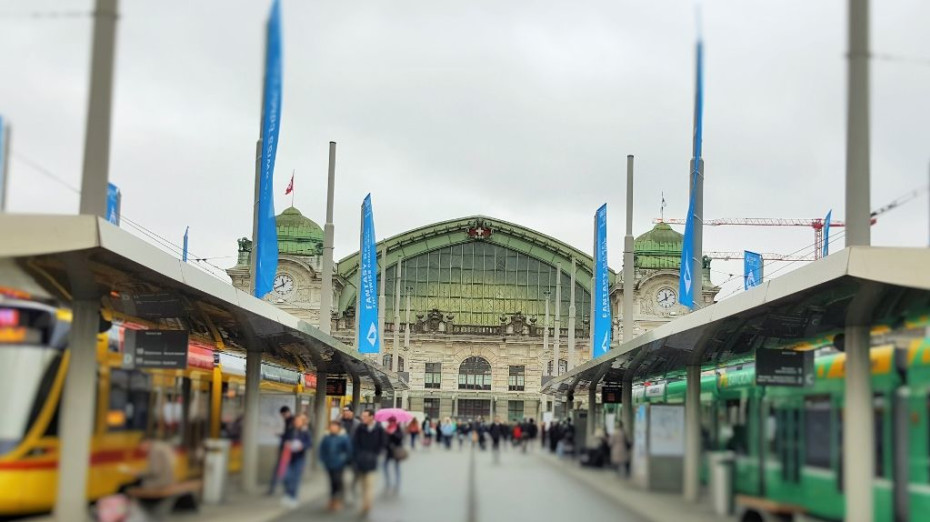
479, 282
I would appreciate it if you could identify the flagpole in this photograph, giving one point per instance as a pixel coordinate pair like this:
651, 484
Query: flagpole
293, 188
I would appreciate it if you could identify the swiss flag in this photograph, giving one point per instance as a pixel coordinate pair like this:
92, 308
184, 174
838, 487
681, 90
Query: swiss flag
290, 186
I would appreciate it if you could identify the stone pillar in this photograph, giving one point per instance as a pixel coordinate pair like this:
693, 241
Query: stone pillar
692, 479
253, 379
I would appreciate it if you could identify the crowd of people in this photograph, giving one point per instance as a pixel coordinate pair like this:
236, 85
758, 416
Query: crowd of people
357, 445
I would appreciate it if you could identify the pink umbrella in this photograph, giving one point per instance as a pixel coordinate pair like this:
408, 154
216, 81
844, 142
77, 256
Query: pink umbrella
402, 416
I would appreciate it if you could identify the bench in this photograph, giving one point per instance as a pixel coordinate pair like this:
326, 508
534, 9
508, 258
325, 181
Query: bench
161, 501
764, 509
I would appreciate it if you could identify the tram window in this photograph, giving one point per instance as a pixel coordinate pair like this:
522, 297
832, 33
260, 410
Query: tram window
232, 411
878, 412
817, 434
129, 401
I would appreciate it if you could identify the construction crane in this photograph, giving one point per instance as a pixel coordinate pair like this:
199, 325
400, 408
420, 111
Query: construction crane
815, 223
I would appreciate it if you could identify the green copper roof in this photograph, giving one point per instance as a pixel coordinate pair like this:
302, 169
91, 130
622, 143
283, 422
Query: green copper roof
659, 248
297, 234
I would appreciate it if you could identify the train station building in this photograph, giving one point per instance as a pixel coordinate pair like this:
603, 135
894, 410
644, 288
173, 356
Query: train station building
465, 303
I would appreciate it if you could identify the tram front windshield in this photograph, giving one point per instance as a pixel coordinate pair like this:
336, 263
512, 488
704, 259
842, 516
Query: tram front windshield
26, 356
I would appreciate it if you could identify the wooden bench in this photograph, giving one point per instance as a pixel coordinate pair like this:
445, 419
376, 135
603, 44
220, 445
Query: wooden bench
161, 501
766, 508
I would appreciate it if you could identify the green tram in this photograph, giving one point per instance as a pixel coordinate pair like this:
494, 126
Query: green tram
788, 441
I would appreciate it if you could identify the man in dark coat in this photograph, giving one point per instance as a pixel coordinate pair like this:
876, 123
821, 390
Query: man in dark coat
368, 442
350, 424
497, 431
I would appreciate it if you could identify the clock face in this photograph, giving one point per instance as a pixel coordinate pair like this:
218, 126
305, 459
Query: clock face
666, 297
283, 284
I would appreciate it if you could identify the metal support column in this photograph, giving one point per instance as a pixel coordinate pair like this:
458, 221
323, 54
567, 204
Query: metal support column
592, 412
556, 347
858, 204
321, 415
77, 407
395, 358
626, 395
572, 311
692, 481
357, 395
329, 238
551, 370
253, 378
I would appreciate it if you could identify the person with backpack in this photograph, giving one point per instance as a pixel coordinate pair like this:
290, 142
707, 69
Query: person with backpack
414, 430
335, 455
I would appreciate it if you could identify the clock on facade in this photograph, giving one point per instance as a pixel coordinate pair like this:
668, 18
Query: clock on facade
283, 284
666, 297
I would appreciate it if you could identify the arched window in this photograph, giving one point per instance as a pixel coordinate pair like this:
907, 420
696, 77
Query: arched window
475, 374
563, 368
387, 359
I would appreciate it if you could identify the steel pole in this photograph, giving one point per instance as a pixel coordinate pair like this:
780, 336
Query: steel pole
858, 209
546, 336
628, 274
572, 311
329, 238
5, 174
395, 360
556, 346
320, 423
382, 299
253, 259
96, 171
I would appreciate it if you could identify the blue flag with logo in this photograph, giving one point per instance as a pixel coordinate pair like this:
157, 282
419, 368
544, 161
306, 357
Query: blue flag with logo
602, 327
184, 253
114, 200
369, 338
688, 271
752, 269
266, 244
826, 233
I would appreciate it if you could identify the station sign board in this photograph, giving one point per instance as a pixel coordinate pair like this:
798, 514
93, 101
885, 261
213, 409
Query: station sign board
156, 349
336, 387
611, 394
784, 368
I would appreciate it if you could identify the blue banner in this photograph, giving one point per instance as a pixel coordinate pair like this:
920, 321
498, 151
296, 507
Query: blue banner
688, 271
114, 200
826, 233
266, 244
184, 253
369, 338
602, 324
752, 269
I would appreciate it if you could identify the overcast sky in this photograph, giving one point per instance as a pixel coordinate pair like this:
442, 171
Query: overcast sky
520, 110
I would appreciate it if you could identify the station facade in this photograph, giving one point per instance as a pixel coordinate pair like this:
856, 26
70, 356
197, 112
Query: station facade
465, 304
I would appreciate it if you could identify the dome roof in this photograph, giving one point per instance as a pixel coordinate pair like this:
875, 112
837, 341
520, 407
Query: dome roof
297, 234
658, 248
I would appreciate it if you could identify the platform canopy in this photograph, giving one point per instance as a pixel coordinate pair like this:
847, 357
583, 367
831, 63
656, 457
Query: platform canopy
72, 256
856, 286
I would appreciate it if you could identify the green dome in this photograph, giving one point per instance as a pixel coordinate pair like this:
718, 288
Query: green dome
658, 248
297, 234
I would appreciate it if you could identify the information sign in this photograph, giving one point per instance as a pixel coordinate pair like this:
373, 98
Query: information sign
611, 394
784, 368
166, 349
336, 387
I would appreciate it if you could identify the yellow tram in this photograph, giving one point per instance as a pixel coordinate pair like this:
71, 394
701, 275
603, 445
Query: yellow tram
132, 406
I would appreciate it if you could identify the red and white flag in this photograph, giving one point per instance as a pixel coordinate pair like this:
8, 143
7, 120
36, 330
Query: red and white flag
290, 186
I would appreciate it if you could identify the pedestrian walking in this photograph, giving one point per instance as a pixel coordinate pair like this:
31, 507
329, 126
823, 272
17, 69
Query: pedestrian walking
414, 430
448, 431
297, 445
620, 451
335, 455
395, 454
350, 424
284, 436
367, 444
496, 431
427, 432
